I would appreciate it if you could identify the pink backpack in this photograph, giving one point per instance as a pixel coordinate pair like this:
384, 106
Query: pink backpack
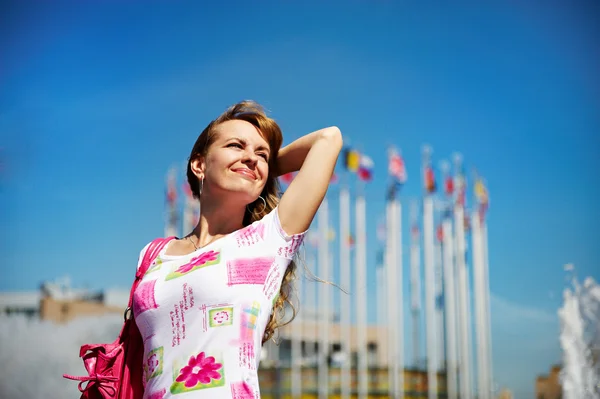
115, 369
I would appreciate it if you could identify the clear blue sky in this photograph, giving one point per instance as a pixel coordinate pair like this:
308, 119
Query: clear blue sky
98, 99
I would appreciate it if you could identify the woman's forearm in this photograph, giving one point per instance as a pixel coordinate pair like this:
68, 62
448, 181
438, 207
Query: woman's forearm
292, 156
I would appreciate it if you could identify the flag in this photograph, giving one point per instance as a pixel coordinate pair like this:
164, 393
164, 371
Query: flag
351, 159
396, 166
287, 178
439, 233
449, 186
481, 192
365, 168
429, 180
351, 240
334, 178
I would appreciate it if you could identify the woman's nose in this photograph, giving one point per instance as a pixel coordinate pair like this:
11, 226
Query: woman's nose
250, 157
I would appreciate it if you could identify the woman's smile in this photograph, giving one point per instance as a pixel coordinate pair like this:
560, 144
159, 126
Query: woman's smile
246, 173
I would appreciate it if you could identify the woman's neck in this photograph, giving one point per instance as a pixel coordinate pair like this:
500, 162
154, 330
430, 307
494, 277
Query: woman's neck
217, 220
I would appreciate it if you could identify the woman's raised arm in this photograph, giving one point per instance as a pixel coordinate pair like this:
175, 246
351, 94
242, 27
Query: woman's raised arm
314, 157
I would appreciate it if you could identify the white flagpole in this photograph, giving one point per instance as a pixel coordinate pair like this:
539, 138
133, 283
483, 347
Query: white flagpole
415, 278
488, 353
296, 360
392, 306
345, 303
429, 287
478, 284
450, 306
439, 313
463, 296
323, 218
397, 237
311, 319
380, 277
361, 295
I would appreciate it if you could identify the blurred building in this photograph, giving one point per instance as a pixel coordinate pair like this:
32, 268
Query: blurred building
548, 386
57, 301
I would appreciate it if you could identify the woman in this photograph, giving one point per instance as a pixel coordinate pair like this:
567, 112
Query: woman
212, 298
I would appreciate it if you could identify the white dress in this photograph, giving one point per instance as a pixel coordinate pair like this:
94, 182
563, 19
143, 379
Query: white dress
202, 316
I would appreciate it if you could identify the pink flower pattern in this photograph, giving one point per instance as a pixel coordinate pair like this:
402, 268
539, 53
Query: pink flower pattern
199, 369
221, 317
199, 260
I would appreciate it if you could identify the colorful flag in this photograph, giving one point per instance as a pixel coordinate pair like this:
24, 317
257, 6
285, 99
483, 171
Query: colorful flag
334, 178
429, 180
287, 178
481, 192
439, 233
351, 240
351, 159
396, 166
449, 186
365, 168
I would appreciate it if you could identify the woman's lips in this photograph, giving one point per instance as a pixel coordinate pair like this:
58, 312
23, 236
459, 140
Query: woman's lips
246, 172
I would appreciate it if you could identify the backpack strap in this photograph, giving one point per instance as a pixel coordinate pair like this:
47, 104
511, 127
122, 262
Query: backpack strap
150, 255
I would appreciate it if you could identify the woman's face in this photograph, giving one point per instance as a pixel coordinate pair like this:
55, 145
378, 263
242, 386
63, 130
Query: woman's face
236, 162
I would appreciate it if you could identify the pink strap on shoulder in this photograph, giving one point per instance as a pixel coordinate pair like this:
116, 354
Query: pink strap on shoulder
150, 255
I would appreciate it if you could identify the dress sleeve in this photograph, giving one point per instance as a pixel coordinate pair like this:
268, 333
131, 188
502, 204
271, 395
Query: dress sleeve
284, 244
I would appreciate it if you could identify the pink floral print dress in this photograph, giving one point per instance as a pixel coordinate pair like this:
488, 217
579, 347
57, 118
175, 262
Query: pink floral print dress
202, 316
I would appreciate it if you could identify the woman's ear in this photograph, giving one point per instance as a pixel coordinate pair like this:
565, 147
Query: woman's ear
198, 167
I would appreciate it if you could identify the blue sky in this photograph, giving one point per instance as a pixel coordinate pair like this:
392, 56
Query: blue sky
99, 99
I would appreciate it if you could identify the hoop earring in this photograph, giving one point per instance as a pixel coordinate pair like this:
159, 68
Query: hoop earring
264, 206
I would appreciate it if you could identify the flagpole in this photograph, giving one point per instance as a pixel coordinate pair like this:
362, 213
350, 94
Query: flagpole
463, 290
312, 321
397, 242
361, 294
450, 306
488, 353
296, 356
415, 278
449, 283
482, 279
345, 303
323, 245
428, 257
392, 306
380, 275
478, 284
439, 298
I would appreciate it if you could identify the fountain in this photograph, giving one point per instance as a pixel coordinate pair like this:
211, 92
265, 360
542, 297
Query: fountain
580, 339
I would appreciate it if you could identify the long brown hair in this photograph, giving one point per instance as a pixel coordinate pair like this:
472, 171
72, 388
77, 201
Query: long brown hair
253, 113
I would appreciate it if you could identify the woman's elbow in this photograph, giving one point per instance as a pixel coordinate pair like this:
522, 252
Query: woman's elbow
333, 135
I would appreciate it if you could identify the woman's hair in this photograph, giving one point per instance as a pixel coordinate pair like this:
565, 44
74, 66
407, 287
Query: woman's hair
253, 113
